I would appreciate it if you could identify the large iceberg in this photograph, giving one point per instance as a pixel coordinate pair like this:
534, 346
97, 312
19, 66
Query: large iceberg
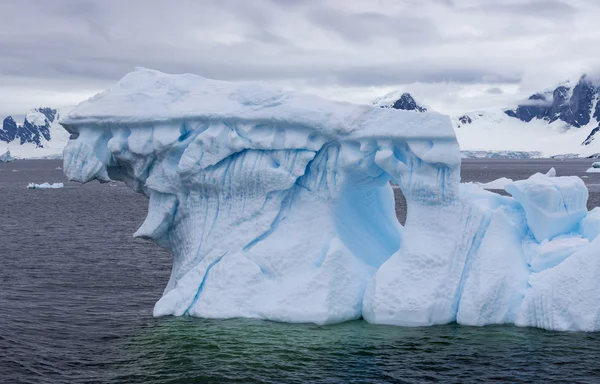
278, 206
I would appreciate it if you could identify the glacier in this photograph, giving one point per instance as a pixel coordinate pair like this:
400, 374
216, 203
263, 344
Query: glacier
278, 205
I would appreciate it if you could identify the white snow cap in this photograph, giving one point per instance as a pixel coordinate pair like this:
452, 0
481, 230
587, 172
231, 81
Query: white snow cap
150, 96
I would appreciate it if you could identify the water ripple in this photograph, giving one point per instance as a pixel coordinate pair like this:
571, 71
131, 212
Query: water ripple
77, 292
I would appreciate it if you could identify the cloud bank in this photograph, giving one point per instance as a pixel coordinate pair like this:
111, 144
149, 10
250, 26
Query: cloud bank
59, 52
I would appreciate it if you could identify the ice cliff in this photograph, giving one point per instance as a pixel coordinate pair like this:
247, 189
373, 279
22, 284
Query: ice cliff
278, 206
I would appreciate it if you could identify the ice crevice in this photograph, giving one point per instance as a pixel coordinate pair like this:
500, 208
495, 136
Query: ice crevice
278, 205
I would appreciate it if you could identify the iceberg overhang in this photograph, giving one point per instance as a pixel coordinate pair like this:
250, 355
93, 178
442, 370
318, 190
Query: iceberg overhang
277, 205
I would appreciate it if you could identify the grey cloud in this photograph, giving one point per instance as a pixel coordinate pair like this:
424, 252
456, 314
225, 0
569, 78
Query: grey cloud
494, 91
552, 9
384, 75
88, 44
364, 27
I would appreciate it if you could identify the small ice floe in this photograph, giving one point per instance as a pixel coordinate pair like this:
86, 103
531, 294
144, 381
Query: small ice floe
14, 170
595, 168
45, 186
58, 168
6, 157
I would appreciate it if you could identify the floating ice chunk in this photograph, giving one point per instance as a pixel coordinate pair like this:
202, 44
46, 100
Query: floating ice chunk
595, 168
45, 186
6, 157
553, 205
502, 182
496, 184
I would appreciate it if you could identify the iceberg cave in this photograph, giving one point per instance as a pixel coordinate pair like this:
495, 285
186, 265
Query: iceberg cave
278, 205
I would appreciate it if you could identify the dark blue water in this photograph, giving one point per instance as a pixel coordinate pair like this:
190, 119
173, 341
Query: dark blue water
77, 291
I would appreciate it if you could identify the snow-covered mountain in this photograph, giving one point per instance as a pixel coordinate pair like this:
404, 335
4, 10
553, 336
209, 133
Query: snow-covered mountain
399, 100
564, 120
39, 136
576, 106
559, 121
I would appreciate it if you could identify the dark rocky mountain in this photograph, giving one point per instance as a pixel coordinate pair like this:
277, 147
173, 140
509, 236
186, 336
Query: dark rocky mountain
35, 127
465, 119
591, 136
576, 106
405, 102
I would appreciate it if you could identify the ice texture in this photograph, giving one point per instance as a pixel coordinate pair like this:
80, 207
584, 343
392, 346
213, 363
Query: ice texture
496, 184
553, 205
278, 205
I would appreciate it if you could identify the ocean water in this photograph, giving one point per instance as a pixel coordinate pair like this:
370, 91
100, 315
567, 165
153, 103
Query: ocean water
77, 292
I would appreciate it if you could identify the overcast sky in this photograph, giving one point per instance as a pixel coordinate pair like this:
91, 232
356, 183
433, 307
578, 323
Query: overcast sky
453, 55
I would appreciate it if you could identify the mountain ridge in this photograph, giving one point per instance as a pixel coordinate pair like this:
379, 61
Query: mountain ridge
560, 120
38, 136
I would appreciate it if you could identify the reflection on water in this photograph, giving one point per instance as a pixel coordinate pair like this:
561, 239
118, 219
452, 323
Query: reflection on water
259, 351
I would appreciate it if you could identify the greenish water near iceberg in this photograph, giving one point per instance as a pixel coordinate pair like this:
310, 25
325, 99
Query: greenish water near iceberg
254, 351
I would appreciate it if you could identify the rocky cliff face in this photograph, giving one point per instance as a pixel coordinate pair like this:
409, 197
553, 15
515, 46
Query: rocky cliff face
35, 128
566, 108
402, 101
576, 106
407, 103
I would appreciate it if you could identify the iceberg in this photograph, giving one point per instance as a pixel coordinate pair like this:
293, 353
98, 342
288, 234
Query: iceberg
595, 168
45, 186
278, 205
6, 157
